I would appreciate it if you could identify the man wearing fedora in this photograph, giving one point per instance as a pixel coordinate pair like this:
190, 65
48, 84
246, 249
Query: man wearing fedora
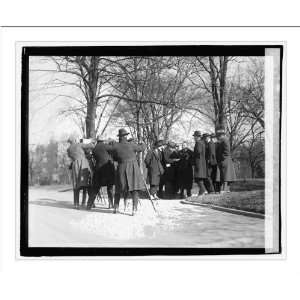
169, 159
104, 174
215, 173
80, 169
200, 172
128, 175
210, 157
225, 164
184, 172
153, 162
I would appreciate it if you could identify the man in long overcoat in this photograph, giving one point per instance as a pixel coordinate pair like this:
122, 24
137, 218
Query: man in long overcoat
153, 162
104, 173
210, 157
215, 172
225, 164
169, 159
200, 172
184, 173
80, 169
128, 175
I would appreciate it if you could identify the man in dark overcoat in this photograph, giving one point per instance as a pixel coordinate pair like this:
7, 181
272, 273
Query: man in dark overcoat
169, 159
185, 171
104, 173
200, 172
225, 164
128, 175
80, 169
153, 162
215, 173
210, 157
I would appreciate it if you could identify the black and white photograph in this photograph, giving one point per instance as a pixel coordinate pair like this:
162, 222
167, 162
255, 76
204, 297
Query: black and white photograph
150, 149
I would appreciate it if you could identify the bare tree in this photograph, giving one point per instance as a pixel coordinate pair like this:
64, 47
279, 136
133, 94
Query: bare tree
89, 77
210, 75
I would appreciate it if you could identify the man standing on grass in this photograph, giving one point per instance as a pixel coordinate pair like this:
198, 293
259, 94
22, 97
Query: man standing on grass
200, 173
128, 175
210, 157
225, 164
215, 173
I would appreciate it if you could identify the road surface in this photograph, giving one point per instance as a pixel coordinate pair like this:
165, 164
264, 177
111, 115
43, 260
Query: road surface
54, 223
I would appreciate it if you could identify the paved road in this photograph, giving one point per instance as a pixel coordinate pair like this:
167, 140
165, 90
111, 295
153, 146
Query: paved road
54, 222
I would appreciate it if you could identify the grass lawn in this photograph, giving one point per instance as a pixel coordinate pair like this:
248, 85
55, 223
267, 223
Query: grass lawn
246, 195
250, 201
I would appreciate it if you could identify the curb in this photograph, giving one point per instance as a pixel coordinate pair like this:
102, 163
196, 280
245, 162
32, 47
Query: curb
226, 209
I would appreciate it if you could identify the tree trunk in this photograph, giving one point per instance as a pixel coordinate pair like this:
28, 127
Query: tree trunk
90, 120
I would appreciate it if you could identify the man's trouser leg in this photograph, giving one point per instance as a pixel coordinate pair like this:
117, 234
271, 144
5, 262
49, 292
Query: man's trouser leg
201, 186
189, 192
153, 189
135, 199
161, 187
209, 185
92, 196
109, 189
116, 202
84, 193
76, 197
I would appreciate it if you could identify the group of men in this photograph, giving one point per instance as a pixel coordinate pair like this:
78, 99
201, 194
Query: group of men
210, 166
169, 170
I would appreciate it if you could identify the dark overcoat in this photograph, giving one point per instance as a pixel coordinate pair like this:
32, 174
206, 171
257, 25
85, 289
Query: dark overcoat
169, 163
128, 175
211, 161
153, 162
104, 166
225, 164
185, 169
80, 168
200, 161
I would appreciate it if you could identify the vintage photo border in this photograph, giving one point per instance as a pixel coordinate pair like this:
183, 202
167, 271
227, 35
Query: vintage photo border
234, 49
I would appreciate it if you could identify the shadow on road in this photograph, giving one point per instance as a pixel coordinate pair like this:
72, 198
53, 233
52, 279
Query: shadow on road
66, 204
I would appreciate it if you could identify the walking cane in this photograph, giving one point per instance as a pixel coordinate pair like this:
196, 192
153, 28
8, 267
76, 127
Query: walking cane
148, 192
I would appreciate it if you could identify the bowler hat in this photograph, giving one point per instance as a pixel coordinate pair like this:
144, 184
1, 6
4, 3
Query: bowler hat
197, 133
205, 135
123, 132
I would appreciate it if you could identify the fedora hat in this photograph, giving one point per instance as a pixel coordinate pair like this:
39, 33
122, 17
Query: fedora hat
197, 133
122, 132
